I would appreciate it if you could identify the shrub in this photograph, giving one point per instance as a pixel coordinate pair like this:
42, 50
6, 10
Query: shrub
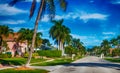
33, 55
5, 55
116, 52
50, 53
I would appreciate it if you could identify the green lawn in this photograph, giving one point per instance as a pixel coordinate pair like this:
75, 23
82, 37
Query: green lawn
113, 59
18, 61
55, 62
40, 62
23, 71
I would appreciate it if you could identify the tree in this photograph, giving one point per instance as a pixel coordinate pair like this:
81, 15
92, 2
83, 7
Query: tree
118, 40
4, 32
50, 4
113, 42
55, 31
59, 33
46, 42
26, 35
43, 4
116, 52
105, 46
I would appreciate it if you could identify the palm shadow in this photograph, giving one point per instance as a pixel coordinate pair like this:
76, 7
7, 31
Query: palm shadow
89, 64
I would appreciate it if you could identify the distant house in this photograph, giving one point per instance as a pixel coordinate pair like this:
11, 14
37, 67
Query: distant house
111, 50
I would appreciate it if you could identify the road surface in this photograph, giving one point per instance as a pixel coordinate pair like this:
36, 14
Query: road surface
89, 64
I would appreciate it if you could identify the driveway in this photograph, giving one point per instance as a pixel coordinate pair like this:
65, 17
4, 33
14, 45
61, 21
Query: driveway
89, 64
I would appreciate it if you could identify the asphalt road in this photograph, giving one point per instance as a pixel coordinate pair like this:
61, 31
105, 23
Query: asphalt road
89, 64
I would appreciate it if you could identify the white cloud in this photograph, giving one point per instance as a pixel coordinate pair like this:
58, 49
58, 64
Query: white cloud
108, 33
7, 10
80, 15
78, 36
45, 18
67, 16
43, 30
83, 16
87, 16
12, 22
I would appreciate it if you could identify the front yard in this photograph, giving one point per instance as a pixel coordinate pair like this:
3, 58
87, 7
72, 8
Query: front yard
18, 61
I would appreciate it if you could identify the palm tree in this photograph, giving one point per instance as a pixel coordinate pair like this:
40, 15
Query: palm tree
43, 4
50, 5
38, 39
26, 34
55, 31
59, 33
46, 42
4, 31
118, 39
105, 46
78, 45
114, 42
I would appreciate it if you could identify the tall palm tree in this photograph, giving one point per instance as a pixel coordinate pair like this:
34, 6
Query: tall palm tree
50, 5
43, 4
59, 33
55, 31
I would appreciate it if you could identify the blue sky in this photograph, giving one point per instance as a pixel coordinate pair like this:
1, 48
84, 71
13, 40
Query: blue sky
90, 20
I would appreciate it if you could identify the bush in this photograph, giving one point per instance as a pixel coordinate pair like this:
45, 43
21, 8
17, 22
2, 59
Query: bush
50, 53
116, 52
33, 55
5, 55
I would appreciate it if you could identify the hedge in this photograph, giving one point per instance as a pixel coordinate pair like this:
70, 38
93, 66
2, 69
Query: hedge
50, 53
33, 55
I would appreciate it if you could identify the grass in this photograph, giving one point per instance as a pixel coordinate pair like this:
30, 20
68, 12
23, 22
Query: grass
55, 62
18, 61
113, 59
23, 71
40, 62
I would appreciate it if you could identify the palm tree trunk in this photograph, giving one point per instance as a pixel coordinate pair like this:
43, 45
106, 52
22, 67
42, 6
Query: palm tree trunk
58, 44
35, 31
0, 44
0, 40
61, 47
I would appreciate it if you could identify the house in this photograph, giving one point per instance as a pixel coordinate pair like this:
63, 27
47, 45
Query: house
11, 44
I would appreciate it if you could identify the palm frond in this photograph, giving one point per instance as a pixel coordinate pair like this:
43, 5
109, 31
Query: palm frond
63, 4
51, 8
43, 7
32, 10
13, 2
